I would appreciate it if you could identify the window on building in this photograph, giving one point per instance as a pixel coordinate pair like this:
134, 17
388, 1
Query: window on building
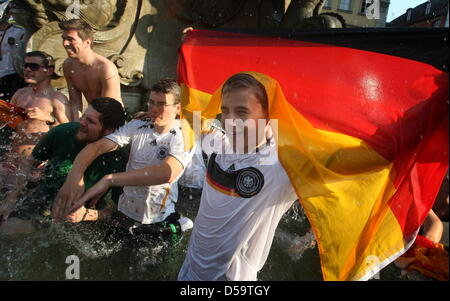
408, 15
428, 8
327, 4
345, 5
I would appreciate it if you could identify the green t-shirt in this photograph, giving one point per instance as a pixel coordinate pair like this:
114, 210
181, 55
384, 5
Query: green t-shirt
60, 148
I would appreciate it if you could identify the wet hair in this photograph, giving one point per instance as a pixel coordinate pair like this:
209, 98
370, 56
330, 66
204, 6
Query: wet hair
246, 81
84, 30
47, 59
167, 86
112, 112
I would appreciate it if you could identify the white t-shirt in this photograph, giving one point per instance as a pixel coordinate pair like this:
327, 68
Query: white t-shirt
194, 173
9, 43
232, 235
150, 204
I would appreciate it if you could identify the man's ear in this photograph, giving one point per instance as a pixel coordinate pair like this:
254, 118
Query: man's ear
178, 111
89, 42
50, 70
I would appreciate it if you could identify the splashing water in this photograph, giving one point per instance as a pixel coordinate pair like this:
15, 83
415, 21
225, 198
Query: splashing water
41, 255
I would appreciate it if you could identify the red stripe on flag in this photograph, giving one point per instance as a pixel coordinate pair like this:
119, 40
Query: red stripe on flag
389, 102
364, 93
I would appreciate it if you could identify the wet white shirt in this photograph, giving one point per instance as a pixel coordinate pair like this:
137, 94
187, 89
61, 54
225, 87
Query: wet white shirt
150, 204
232, 235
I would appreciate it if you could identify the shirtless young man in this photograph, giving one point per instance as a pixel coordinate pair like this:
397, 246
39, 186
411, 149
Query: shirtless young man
44, 106
87, 73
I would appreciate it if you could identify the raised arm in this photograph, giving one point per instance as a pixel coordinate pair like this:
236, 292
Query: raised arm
73, 187
59, 109
111, 82
166, 172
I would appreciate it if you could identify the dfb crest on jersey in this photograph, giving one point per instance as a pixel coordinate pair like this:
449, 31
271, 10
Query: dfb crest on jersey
162, 152
249, 182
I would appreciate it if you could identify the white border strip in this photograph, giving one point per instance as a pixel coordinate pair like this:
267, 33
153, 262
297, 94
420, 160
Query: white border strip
408, 243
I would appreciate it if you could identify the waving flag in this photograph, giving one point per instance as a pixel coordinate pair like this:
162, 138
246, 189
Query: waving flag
11, 115
362, 135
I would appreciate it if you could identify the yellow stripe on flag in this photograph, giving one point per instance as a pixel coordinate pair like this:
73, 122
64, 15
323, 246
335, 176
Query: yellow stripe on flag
342, 183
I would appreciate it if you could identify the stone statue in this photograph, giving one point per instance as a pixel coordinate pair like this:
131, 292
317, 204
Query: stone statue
307, 14
215, 13
112, 20
141, 37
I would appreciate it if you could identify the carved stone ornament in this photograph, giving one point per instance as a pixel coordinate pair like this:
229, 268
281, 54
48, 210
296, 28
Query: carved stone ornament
128, 76
114, 23
307, 14
139, 35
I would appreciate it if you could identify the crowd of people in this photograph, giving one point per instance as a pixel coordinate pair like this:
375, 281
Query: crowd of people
93, 165
98, 167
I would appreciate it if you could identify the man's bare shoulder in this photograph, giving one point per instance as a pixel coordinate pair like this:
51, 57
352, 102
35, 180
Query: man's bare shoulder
22, 92
58, 96
105, 64
69, 62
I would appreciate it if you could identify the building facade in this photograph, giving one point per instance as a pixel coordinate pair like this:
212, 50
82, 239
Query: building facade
360, 13
433, 13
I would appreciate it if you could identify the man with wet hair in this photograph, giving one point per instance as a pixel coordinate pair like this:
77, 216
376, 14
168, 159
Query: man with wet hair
246, 191
58, 148
159, 153
44, 106
87, 73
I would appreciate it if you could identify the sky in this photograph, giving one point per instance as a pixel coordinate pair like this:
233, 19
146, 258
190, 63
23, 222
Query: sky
399, 7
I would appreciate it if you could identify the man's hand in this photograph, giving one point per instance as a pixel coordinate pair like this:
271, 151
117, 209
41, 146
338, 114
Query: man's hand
37, 113
84, 214
73, 188
70, 192
94, 193
78, 215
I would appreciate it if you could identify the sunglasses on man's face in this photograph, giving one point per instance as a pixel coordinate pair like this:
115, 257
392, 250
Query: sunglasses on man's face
32, 66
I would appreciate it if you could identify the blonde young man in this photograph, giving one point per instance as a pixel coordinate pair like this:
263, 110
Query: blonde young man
157, 159
87, 73
246, 191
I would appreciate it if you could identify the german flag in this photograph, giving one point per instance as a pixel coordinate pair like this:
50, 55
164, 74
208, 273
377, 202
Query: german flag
362, 129
11, 115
